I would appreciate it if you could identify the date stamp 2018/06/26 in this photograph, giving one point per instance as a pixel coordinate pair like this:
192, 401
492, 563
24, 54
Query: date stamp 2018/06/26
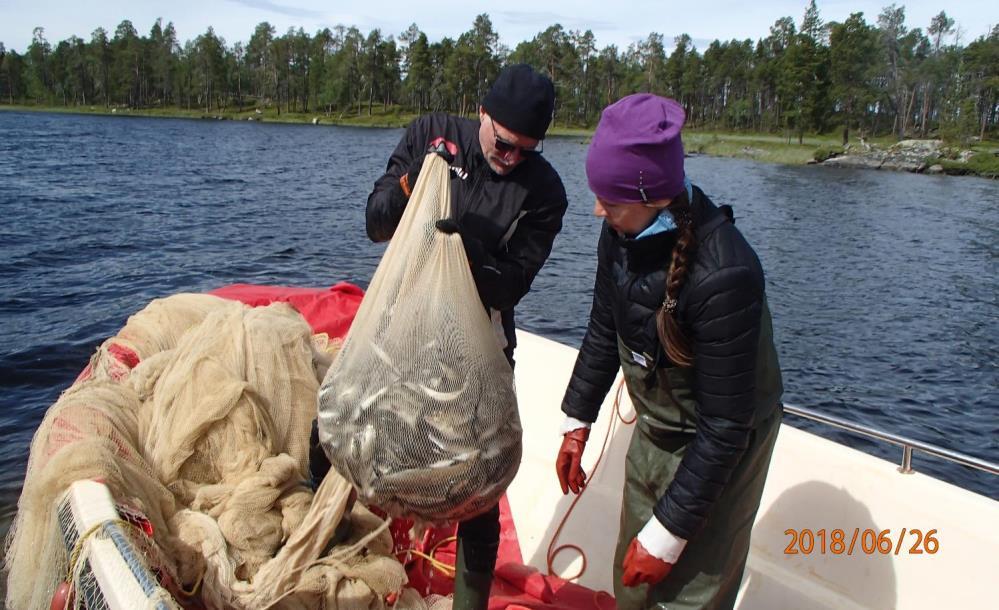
911, 541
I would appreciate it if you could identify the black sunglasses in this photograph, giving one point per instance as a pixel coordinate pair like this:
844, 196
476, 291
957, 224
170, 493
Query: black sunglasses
505, 148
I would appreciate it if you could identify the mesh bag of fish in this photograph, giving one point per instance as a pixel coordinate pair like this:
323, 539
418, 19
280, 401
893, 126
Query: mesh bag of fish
418, 410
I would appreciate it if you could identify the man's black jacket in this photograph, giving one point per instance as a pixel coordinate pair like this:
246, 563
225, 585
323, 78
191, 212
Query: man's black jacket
515, 217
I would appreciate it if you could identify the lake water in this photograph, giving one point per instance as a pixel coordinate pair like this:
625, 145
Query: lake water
883, 286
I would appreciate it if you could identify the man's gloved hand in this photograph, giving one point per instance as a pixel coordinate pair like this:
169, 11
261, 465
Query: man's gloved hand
642, 567
445, 148
475, 251
448, 226
570, 473
438, 146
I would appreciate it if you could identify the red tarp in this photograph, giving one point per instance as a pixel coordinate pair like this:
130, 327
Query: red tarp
516, 586
327, 310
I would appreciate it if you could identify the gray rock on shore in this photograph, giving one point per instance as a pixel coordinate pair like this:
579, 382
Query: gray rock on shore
871, 160
907, 155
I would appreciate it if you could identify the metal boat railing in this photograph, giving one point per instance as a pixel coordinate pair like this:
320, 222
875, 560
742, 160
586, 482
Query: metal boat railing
907, 444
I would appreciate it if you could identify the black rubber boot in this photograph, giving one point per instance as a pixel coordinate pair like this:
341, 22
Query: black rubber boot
319, 464
473, 575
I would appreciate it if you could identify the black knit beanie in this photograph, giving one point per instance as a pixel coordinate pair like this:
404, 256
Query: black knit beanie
522, 100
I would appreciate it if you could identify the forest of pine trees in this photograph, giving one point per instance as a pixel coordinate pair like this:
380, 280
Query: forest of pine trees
807, 76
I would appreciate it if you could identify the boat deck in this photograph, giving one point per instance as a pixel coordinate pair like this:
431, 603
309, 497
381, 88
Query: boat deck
814, 485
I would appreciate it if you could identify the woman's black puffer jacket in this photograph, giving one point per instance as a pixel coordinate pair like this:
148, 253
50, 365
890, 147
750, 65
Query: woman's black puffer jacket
720, 306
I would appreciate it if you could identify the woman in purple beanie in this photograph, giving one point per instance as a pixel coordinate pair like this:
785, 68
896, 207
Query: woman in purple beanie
680, 305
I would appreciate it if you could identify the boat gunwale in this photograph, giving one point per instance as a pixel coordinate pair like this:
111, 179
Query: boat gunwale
907, 444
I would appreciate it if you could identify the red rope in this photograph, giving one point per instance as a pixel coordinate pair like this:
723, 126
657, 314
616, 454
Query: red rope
553, 551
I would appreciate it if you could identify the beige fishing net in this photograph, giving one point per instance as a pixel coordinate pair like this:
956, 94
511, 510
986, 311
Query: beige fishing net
196, 417
418, 409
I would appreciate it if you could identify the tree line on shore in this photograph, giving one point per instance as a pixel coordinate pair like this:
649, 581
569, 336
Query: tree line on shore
804, 77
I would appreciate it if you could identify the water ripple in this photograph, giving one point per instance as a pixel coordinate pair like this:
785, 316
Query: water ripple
883, 286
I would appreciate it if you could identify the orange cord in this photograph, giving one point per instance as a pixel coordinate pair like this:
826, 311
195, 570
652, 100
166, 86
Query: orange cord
446, 569
554, 551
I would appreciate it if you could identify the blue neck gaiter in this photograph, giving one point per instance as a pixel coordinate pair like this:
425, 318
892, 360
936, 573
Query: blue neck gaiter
664, 221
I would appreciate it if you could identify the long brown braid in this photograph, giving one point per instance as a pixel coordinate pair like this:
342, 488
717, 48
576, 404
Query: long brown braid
671, 333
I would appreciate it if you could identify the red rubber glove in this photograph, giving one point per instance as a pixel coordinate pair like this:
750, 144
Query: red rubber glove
642, 567
570, 473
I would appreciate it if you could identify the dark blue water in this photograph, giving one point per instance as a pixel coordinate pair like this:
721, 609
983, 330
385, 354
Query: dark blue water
883, 286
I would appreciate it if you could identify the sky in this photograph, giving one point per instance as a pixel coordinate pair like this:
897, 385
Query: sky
620, 22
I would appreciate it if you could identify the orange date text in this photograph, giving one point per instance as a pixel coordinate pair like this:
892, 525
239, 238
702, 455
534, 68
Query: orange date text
908, 541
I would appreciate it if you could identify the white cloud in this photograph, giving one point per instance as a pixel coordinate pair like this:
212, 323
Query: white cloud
280, 9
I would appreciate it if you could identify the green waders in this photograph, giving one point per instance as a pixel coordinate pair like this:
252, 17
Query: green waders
709, 571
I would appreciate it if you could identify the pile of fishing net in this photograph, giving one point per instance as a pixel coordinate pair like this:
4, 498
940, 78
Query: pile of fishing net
197, 417
419, 410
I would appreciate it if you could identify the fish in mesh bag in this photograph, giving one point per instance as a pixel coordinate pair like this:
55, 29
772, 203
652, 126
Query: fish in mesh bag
418, 410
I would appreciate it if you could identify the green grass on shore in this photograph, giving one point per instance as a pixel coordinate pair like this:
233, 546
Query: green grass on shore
393, 117
759, 147
768, 148
984, 164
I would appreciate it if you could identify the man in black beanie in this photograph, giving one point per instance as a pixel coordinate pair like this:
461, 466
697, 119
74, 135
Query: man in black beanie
508, 205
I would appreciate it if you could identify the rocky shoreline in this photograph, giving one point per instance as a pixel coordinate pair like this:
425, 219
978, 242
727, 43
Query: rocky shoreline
917, 156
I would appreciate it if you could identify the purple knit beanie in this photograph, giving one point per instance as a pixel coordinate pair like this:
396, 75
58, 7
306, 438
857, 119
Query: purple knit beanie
636, 154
